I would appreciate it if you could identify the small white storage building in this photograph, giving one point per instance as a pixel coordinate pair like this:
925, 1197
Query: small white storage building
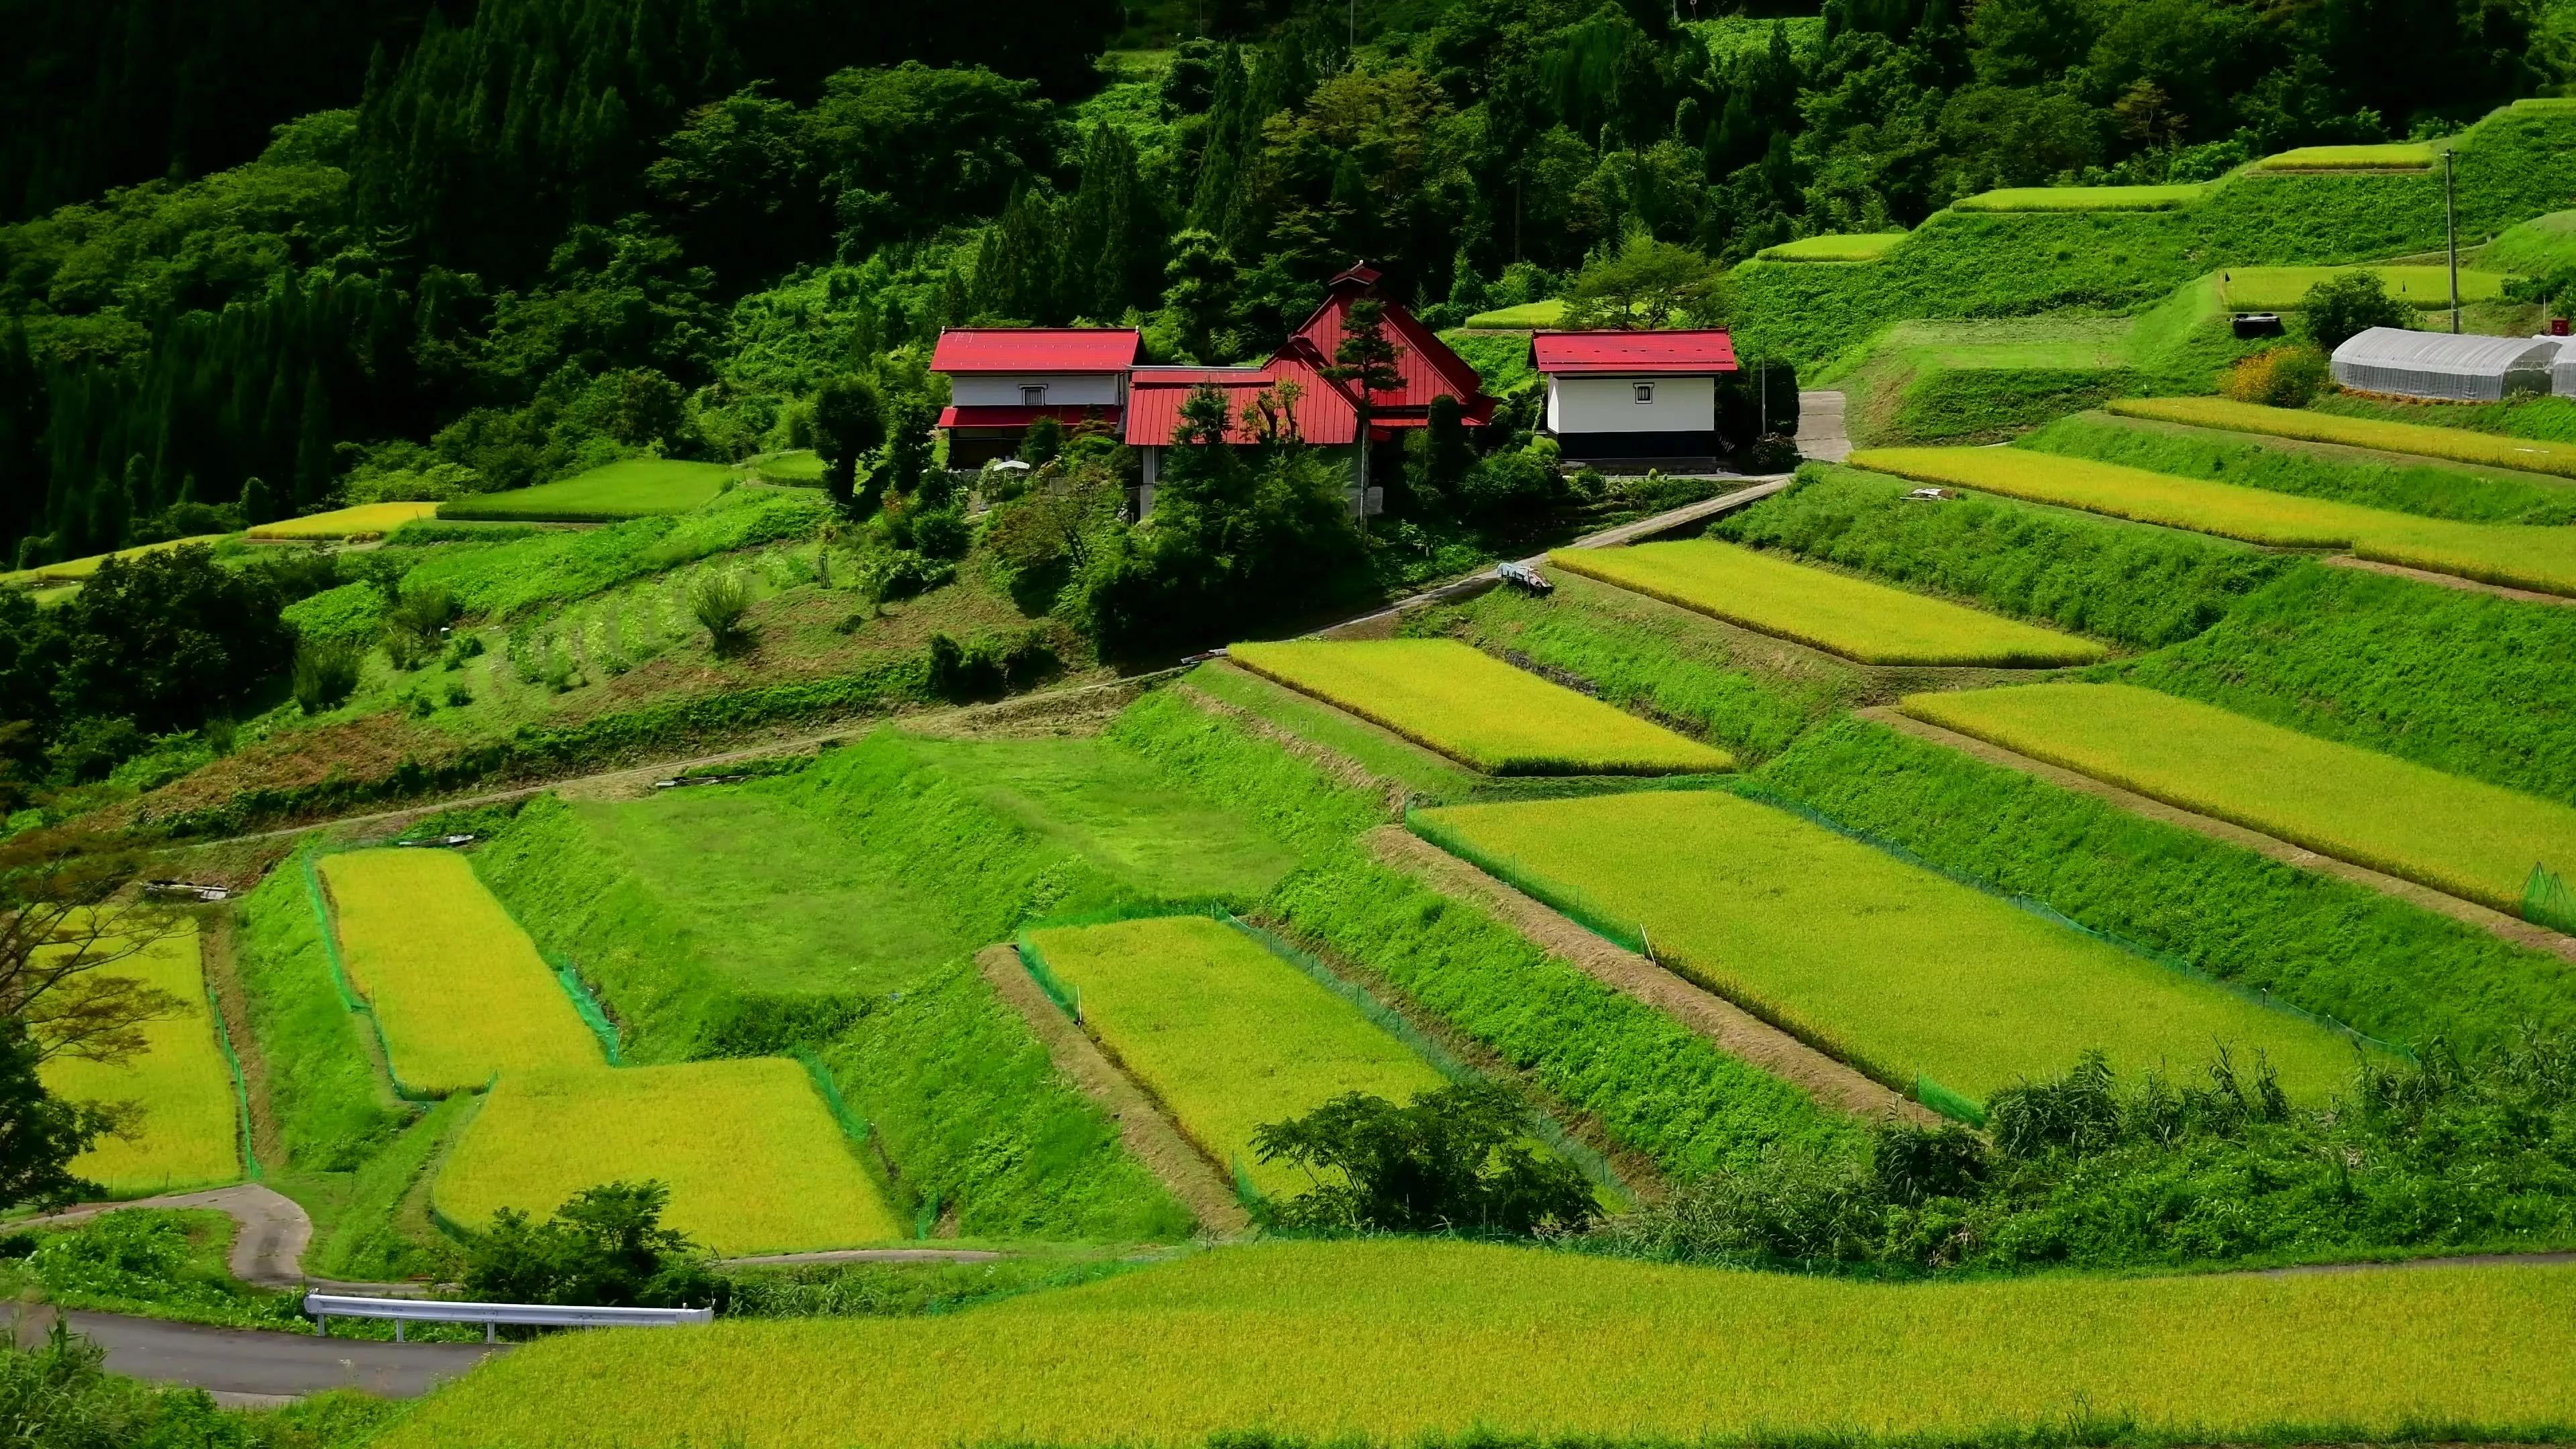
1627, 395
2458, 367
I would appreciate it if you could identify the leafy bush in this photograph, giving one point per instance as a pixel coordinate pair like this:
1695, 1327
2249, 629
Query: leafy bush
140, 1259
606, 1248
2409, 1158
2463, 682
325, 673
2470, 494
350, 614
1656, 1087
2143, 586
2312, 940
2343, 306
1450, 1162
2280, 377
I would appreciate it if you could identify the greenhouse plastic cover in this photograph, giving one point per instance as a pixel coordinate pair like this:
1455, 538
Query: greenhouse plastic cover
2446, 365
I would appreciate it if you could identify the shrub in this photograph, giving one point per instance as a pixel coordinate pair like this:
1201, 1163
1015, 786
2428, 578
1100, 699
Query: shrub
2281, 377
719, 600
325, 674
2346, 304
1450, 1162
605, 1248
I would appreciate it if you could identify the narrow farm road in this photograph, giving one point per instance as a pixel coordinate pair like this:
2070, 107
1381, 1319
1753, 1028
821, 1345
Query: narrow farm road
272, 1233
2486, 918
1822, 432
252, 1366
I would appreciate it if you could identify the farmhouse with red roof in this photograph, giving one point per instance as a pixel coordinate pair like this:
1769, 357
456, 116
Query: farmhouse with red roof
1001, 379
1632, 395
1004, 378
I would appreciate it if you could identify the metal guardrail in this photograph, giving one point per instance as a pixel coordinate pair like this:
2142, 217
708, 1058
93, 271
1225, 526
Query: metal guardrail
326, 1306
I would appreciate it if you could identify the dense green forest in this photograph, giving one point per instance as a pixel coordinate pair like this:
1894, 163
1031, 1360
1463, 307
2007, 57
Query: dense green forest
263, 259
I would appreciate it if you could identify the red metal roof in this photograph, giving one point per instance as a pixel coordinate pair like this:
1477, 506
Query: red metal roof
1036, 349
1632, 352
1323, 412
1424, 364
1010, 417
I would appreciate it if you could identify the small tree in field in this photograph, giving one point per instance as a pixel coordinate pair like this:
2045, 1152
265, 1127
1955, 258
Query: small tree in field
2347, 304
1645, 284
1451, 1162
849, 423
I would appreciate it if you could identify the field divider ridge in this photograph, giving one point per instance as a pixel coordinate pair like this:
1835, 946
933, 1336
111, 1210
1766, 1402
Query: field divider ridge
1728, 1026
2459, 908
1447, 1063
2459, 582
1144, 1127
241, 1089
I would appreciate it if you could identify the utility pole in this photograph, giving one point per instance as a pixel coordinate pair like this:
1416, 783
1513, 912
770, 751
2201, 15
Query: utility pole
2451, 232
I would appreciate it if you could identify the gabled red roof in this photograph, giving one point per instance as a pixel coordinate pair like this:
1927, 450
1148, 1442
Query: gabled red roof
1323, 413
972, 416
1424, 365
1632, 352
1036, 349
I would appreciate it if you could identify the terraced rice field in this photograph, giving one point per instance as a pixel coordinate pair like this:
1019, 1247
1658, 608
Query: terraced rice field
636, 488
753, 1158
1477, 709
364, 521
457, 987
77, 570
1885, 964
2392, 156
2455, 834
1867, 246
1870, 622
2457, 444
2085, 198
1398, 1342
189, 1135
1227, 1035
2540, 558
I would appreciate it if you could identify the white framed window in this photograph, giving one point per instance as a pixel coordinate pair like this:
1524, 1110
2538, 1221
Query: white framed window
1645, 392
1033, 395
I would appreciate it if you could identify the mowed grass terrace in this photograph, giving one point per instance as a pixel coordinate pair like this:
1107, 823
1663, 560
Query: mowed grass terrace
2464, 836
1223, 1032
1855, 618
189, 1135
2537, 558
457, 987
1887, 965
1393, 1342
1477, 709
635, 488
754, 1160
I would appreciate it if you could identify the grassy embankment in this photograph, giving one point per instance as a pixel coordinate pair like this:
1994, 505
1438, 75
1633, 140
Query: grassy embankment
1397, 1341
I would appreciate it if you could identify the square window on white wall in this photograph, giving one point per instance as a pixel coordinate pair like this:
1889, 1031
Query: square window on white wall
1033, 396
1645, 392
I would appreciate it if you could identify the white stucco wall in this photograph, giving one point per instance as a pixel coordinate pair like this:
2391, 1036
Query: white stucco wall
1064, 389
1609, 405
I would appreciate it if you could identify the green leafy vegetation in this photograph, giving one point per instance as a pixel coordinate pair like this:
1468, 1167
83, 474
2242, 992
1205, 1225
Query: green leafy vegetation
1450, 1161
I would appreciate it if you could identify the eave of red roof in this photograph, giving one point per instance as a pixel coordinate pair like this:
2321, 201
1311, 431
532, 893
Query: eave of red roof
1632, 353
1036, 349
1323, 414
972, 416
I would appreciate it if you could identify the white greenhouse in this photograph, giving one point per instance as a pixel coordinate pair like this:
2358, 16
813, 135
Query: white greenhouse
2460, 367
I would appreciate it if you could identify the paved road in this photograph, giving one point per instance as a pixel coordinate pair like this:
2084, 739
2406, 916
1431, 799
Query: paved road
1821, 430
252, 1366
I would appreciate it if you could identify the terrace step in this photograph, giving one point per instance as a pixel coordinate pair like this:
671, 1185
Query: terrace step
2486, 918
1729, 1027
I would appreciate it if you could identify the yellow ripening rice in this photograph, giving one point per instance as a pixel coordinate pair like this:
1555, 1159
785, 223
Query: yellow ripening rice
1403, 1340
1893, 967
367, 520
458, 988
189, 1133
754, 1161
1477, 709
1228, 1036
2463, 836
1870, 622
2459, 445
2519, 556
